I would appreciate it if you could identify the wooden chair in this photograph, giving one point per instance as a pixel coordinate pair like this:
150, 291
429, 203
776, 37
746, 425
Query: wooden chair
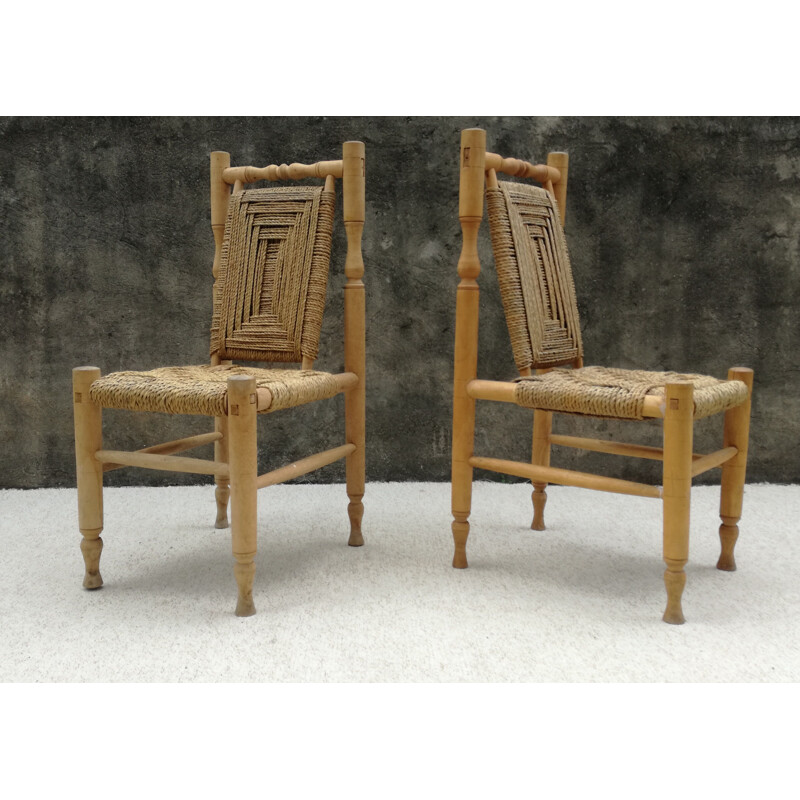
541, 312
270, 275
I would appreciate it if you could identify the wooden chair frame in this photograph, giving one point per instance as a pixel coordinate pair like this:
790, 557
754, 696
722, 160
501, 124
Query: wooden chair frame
680, 464
234, 466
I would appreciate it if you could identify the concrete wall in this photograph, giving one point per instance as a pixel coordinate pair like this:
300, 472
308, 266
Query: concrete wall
684, 239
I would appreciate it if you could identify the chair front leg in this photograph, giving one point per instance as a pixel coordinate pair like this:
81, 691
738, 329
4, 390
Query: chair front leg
540, 456
243, 463
89, 472
677, 486
461, 474
736, 434
355, 412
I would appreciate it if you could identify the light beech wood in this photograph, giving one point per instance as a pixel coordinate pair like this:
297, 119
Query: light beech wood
470, 212
540, 455
304, 466
284, 172
522, 169
701, 463
676, 409
89, 472
176, 446
565, 477
222, 491
353, 187
606, 446
715, 459
220, 194
736, 433
560, 162
677, 485
156, 461
243, 455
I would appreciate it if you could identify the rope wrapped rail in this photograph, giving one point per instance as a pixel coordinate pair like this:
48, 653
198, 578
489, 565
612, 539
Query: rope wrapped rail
203, 389
535, 276
620, 393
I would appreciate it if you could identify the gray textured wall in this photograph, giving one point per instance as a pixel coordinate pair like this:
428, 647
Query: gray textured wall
684, 238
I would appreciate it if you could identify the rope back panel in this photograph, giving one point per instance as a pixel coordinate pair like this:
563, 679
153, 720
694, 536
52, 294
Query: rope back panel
204, 390
620, 393
535, 276
273, 274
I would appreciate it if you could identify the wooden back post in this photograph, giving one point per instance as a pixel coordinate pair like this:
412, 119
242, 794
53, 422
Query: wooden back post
353, 201
470, 213
560, 162
220, 193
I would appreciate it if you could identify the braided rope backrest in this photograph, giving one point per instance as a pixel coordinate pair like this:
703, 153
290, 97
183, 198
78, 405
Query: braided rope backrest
273, 274
535, 276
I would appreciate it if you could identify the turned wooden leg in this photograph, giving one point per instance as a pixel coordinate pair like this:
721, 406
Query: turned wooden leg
465, 357
222, 492
736, 434
677, 483
89, 471
355, 510
243, 461
354, 410
460, 528
461, 474
354, 214
540, 455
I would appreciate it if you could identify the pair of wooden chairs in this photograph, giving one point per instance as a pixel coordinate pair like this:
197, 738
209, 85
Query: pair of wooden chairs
270, 270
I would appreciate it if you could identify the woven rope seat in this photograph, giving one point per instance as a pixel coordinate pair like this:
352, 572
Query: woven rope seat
620, 393
203, 389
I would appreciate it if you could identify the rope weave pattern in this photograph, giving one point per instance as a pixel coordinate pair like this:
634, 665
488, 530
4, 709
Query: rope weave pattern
620, 393
203, 389
273, 275
535, 276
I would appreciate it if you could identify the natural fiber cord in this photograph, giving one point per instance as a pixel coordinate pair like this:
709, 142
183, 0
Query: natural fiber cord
273, 274
203, 389
620, 393
535, 276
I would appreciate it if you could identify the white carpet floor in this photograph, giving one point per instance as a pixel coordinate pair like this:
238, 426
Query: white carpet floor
580, 602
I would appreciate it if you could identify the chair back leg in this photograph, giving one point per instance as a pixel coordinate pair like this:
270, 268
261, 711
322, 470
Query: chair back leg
88, 440
736, 434
540, 456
